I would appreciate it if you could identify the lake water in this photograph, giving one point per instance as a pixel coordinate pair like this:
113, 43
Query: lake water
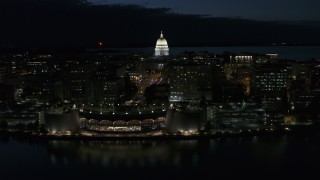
249, 157
285, 52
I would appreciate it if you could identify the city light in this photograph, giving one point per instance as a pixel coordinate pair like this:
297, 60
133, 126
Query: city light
95, 89
206, 94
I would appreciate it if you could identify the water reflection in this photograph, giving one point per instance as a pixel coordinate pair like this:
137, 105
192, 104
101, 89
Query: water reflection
177, 159
210, 155
121, 153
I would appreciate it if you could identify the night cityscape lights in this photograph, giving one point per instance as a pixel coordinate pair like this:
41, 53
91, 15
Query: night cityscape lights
145, 89
193, 93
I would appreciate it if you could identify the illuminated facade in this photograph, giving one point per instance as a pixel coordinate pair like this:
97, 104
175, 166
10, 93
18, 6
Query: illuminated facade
269, 83
241, 61
59, 120
188, 81
266, 59
162, 48
186, 118
122, 125
239, 70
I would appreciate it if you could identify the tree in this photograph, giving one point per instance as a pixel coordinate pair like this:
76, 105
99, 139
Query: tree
148, 94
313, 108
4, 124
20, 126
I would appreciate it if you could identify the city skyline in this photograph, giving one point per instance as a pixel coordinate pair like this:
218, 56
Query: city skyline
159, 89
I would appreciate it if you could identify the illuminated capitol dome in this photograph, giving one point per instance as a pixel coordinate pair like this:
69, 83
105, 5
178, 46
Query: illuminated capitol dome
162, 48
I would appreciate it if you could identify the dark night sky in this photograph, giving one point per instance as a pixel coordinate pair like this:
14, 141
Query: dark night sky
249, 9
75, 23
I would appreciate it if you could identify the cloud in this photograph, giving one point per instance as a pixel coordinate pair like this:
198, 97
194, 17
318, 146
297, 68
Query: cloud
76, 23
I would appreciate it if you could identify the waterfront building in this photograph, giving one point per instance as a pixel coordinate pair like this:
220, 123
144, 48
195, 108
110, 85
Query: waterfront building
239, 116
120, 125
60, 120
185, 117
20, 116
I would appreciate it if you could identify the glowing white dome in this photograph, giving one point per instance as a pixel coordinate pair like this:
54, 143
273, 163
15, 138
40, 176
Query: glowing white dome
162, 41
162, 48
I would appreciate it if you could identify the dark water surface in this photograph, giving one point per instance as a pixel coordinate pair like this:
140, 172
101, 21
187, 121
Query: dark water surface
249, 157
301, 53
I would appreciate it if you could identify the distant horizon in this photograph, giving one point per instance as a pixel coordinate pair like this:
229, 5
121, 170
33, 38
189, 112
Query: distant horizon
38, 25
171, 46
298, 53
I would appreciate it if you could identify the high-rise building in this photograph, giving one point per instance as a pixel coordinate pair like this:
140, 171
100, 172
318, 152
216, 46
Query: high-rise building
6, 91
266, 59
241, 61
239, 70
4, 70
107, 90
107, 83
315, 77
38, 64
269, 84
77, 81
189, 82
162, 48
3, 73
306, 75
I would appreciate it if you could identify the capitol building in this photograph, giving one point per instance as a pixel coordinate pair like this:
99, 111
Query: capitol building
162, 48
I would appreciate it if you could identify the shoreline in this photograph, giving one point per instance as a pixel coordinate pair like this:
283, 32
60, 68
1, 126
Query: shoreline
308, 131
